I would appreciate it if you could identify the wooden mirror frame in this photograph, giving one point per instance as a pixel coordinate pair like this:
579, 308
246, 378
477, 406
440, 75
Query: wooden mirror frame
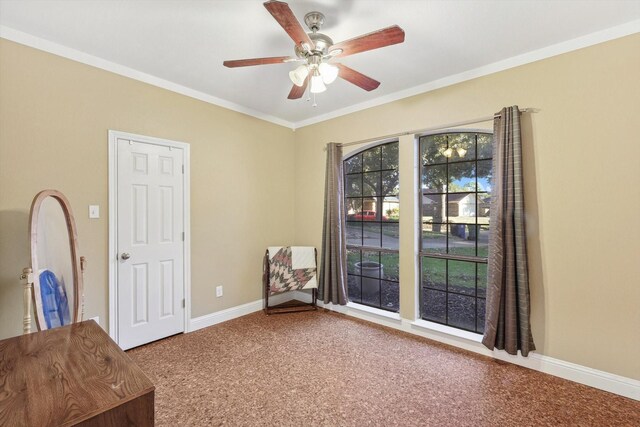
76, 260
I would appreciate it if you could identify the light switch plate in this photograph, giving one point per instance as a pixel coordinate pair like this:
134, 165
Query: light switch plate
94, 211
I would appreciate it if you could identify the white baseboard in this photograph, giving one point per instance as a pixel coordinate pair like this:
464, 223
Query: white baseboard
602, 380
237, 311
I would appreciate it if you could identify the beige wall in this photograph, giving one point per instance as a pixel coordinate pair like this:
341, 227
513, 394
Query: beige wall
582, 171
54, 118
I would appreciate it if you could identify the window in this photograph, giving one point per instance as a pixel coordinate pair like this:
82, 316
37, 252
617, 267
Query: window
455, 191
372, 210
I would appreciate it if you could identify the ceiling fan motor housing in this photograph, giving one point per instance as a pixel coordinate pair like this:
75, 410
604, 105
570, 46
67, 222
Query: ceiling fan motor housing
322, 44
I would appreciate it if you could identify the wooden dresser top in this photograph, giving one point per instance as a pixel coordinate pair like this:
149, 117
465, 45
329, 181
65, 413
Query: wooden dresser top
65, 375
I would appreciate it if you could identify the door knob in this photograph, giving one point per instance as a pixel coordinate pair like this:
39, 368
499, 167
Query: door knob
125, 256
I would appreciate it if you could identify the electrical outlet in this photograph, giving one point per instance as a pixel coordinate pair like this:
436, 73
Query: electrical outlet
218, 291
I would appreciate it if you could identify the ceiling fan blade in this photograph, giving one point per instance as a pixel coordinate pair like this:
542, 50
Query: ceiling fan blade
285, 17
256, 61
358, 79
381, 38
298, 91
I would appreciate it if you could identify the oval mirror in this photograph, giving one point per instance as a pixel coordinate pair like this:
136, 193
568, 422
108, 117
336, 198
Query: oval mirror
55, 263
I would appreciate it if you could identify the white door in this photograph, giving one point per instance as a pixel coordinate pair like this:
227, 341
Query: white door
150, 242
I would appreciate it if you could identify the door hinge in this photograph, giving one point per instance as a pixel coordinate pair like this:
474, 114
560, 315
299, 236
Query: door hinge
183, 303
183, 169
183, 236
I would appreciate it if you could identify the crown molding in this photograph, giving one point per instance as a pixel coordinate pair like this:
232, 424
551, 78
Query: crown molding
515, 61
94, 61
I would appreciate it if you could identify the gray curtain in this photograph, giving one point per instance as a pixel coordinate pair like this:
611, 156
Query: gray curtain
332, 286
507, 325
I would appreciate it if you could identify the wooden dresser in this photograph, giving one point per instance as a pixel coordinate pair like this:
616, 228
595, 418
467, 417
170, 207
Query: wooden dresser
74, 375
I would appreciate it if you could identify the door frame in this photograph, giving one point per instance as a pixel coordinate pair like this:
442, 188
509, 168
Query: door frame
113, 224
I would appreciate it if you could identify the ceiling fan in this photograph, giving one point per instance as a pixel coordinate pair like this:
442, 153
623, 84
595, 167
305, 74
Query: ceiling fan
315, 50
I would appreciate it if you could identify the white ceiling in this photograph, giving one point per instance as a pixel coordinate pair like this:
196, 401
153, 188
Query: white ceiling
185, 42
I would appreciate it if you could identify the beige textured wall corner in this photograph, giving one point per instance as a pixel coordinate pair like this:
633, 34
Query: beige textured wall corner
54, 118
582, 170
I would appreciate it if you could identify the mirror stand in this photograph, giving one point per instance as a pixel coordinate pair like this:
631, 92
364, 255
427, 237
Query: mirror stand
27, 276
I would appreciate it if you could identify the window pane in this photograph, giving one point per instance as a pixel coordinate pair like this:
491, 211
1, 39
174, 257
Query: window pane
390, 156
433, 207
390, 236
353, 164
481, 314
390, 183
484, 175
390, 266
371, 184
484, 203
434, 179
372, 212
353, 288
482, 280
432, 147
391, 209
371, 234
371, 159
353, 185
483, 241
461, 239
462, 311
462, 177
434, 273
353, 257
390, 295
434, 305
462, 277
353, 207
463, 147
370, 265
461, 208
455, 204
354, 233
434, 238
371, 291
485, 146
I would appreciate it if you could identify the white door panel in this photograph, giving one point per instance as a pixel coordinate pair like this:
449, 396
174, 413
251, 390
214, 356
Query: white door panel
150, 236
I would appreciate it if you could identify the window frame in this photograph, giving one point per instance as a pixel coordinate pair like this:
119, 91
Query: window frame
446, 257
364, 248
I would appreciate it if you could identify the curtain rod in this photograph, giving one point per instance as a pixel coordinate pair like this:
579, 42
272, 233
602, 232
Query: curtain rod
417, 131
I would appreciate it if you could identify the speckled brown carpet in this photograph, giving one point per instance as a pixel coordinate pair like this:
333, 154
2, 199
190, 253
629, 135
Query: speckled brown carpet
325, 369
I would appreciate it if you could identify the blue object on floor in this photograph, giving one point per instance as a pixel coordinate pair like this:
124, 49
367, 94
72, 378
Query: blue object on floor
55, 304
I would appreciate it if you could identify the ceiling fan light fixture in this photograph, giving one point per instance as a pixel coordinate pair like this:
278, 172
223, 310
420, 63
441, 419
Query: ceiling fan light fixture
299, 75
328, 72
317, 85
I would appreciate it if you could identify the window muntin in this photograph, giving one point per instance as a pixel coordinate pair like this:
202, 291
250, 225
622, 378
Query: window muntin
372, 213
454, 197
